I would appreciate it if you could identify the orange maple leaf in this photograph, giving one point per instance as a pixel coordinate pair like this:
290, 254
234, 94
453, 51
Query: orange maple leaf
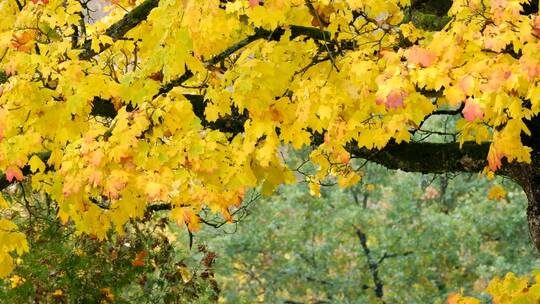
536, 25
453, 298
323, 13
494, 158
420, 56
139, 258
394, 99
14, 172
472, 110
253, 3
23, 42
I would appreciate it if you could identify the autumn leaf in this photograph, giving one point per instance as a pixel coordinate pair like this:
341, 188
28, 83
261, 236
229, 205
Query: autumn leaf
154, 190
494, 158
315, 189
157, 76
253, 3
14, 172
420, 56
107, 294
535, 22
139, 258
16, 281
3, 203
496, 192
23, 42
323, 13
58, 293
184, 273
36, 164
472, 110
227, 215
185, 216
467, 84
394, 99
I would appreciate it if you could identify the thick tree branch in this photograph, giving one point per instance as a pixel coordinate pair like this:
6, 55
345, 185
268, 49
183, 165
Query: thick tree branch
120, 28
426, 157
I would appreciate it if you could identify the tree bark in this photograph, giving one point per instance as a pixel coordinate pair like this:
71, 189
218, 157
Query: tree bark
532, 190
528, 178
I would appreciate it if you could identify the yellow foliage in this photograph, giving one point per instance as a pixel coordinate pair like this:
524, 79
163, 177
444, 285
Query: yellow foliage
496, 192
16, 281
198, 101
508, 290
10, 241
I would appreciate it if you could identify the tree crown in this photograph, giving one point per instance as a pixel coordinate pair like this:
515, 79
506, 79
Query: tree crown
191, 103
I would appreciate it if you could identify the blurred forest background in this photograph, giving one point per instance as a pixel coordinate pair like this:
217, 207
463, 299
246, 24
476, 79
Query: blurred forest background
395, 237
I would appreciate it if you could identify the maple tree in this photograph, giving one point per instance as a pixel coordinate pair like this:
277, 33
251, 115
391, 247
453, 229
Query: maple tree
186, 105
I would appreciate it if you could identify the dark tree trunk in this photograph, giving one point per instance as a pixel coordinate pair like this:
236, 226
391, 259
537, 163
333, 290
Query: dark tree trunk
528, 177
530, 182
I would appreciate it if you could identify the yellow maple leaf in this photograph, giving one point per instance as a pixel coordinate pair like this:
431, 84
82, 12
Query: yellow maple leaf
496, 192
36, 164
3, 202
16, 281
58, 293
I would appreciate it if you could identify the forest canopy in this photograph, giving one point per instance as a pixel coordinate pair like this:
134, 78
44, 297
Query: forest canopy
115, 110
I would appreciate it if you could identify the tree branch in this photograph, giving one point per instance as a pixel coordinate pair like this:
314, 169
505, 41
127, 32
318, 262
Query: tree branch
260, 33
393, 255
121, 27
426, 157
372, 264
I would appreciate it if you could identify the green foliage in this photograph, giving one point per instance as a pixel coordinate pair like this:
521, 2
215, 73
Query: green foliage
141, 266
429, 236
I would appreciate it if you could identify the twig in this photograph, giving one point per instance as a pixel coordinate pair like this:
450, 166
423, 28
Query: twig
319, 20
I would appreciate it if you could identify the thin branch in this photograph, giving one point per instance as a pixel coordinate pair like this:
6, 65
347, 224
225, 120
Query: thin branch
372, 264
260, 33
319, 20
19, 5
393, 255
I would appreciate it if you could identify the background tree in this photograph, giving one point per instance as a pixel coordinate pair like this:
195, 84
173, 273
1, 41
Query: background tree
392, 239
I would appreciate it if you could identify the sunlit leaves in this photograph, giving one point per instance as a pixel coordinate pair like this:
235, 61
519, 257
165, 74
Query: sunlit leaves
472, 110
420, 56
202, 98
510, 289
23, 41
14, 173
36, 164
10, 241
